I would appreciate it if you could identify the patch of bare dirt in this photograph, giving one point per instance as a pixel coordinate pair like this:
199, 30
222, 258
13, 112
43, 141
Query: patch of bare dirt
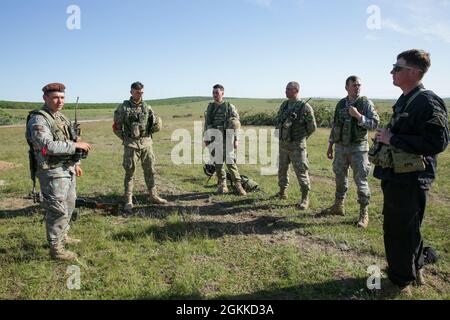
14, 203
8, 165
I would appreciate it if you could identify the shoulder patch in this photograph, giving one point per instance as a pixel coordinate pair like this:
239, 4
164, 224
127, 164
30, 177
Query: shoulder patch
438, 118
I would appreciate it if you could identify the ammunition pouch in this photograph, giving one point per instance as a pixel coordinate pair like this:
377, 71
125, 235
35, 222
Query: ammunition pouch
400, 161
336, 134
381, 155
286, 130
407, 162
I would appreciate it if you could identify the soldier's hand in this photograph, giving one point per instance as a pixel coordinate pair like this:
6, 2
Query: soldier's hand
236, 144
384, 136
78, 171
355, 113
83, 146
330, 153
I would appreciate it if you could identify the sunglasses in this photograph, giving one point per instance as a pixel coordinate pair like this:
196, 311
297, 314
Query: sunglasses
400, 67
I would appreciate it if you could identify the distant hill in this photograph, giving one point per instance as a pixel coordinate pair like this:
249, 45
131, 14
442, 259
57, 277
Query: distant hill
158, 102
175, 102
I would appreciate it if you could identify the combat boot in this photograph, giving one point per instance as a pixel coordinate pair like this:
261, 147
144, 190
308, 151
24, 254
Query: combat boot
57, 252
282, 195
239, 189
304, 203
391, 290
155, 199
69, 240
405, 292
363, 217
337, 209
222, 188
420, 278
128, 202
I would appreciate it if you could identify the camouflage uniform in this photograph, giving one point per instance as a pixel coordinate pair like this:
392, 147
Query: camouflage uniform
53, 149
351, 139
220, 117
296, 123
133, 125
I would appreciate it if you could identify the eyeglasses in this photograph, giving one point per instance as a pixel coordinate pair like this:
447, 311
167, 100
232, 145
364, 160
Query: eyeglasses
399, 67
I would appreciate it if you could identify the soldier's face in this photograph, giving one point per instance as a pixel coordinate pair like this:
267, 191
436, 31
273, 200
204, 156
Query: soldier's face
353, 88
291, 92
137, 94
404, 75
218, 95
55, 101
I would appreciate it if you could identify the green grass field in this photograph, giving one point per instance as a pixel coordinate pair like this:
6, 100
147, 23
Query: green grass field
178, 107
202, 246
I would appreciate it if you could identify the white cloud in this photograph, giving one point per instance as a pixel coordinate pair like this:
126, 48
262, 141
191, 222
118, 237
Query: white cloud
426, 19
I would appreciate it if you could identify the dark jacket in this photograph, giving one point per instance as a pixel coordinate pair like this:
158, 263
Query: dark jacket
424, 130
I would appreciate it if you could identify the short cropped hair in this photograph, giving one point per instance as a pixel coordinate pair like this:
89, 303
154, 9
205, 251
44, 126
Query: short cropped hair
294, 84
219, 86
137, 86
351, 79
417, 58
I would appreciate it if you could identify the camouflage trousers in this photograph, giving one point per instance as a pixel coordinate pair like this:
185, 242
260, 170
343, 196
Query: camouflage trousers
295, 153
229, 162
359, 162
59, 197
131, 157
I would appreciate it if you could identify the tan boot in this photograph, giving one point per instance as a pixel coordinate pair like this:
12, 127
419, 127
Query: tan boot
57, 252
304, 203
155, 199
406, 292
222, 188
69, 240
128, 202
420, 278
239, 188
392, 290
282, 195
363, 217
337, 209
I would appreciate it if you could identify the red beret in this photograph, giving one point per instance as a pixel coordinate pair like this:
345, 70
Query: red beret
54, 87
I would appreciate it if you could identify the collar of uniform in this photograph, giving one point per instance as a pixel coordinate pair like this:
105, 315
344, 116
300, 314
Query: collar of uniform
219, 104
409, 95
401, 102
47, 109
134, 103
350, 100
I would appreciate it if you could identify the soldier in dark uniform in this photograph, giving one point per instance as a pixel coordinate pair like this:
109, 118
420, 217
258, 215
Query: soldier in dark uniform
406, 164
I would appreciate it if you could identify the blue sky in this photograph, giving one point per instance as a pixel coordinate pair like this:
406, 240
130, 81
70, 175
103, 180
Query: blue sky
182, 48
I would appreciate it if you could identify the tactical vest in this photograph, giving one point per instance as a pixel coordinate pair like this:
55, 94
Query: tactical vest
298, 129
217, 116
60, 128
137, 120
387, 156
398, 113
346, 129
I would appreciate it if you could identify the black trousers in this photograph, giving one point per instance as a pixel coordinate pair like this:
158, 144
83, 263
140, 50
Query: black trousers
403, 210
